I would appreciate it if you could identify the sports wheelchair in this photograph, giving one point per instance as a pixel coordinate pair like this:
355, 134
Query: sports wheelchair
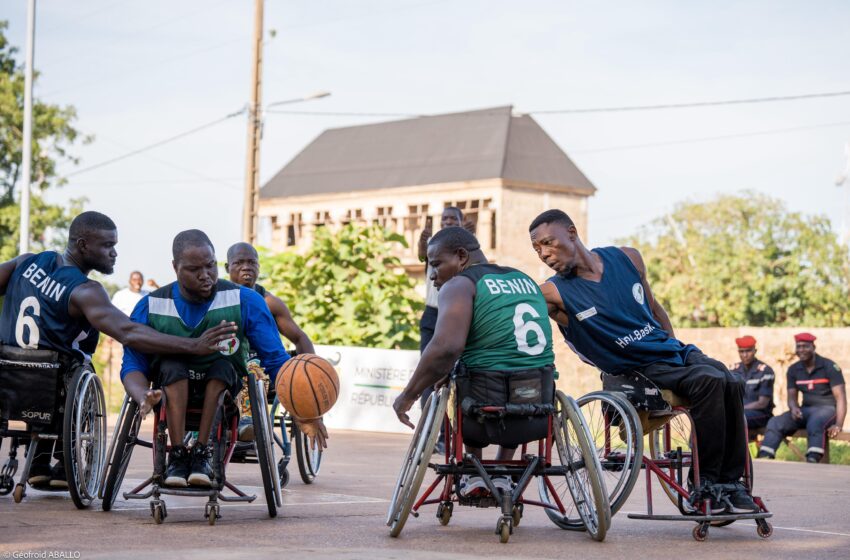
570, 486
630, 406
224, 438
70, 411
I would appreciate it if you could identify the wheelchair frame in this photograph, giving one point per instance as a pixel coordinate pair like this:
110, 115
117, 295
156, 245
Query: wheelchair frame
309, 460
83, 434
565, 424
668, 462
224, 436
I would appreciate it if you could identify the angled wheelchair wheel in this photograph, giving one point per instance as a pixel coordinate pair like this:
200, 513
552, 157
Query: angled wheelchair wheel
574, 449
415, 463
309, 459
616, 433
263, 441
84, 436
664, 444
127, 430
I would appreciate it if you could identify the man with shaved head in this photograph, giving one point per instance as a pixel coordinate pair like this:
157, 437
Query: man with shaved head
196, 300
243, 265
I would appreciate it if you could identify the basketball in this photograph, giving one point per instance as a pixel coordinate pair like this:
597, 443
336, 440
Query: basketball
307, 386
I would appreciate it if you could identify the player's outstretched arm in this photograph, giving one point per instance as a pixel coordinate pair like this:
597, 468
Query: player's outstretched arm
287, 325
453, 321
91, 301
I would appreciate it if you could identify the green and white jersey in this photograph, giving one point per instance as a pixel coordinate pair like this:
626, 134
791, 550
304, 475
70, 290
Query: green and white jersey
510, 327
225, 306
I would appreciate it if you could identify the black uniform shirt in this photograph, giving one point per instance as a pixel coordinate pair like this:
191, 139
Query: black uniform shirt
758, 382
816, 387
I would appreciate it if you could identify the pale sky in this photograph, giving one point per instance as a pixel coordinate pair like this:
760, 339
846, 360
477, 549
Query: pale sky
139, 72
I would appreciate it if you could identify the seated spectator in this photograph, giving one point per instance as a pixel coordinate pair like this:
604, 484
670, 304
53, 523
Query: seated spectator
824, 402
758, 384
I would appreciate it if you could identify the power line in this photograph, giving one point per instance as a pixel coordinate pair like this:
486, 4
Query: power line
771, 99
342, 114
708, 138
156, 144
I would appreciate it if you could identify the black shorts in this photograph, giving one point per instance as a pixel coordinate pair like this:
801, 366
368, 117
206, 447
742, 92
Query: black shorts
172, 371
497, 388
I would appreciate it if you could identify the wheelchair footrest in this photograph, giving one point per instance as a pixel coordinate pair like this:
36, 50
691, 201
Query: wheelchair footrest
701, 518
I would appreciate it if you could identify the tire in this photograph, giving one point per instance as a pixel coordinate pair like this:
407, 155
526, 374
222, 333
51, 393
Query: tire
263, 442
309, 460
84, 436
677, 432
572, 448
123, 446
415, 464
616, 431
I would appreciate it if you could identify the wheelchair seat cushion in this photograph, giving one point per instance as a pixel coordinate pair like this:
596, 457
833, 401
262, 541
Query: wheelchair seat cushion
523, 401
31, 385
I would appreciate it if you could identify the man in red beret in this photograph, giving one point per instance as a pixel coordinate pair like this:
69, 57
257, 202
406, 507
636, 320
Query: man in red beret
824, 402
758, 383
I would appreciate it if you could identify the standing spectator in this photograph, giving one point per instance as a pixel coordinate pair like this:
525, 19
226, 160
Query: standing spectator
452, 216
824, 402
126, 299
758, 384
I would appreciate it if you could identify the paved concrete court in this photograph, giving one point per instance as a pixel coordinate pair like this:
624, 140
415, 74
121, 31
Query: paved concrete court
342, 516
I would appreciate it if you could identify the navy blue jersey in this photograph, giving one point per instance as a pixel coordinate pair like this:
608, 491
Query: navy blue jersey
758, 382
610, 323
35, 309
816, 386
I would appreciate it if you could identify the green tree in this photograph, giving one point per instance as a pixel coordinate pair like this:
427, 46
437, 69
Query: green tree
746, 260
348, 290
53, 135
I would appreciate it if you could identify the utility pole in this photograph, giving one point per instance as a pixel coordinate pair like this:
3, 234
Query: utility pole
252, 172
26, 147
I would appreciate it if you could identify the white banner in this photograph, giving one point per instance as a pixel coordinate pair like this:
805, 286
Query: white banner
369, 381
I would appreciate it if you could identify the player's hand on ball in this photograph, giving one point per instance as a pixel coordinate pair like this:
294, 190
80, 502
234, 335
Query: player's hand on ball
401, 405
316, 431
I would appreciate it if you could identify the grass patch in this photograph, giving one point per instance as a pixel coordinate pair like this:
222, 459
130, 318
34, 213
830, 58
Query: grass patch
839, 451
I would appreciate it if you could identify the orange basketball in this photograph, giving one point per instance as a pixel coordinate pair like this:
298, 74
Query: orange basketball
307, 386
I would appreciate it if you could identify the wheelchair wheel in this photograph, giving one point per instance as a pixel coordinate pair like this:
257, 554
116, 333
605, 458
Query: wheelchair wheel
616, 431
415, 464
574, 449
309, 460
122, 450
263, 442
84, 436
677, 432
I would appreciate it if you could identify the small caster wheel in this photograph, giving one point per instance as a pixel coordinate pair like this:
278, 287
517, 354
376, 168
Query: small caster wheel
700, 532
283, 473
19, 493
158, 514
764, 529
212, 514
7, 483
517, 514
503, 529
444, 513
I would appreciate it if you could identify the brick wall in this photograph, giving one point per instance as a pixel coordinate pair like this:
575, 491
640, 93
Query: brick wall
775, 347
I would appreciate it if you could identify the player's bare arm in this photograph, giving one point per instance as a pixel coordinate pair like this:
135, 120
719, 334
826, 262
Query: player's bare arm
658, 310
287, 326
840, 394
138, 387
6, 270
455, 304
554, 303
91, 301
